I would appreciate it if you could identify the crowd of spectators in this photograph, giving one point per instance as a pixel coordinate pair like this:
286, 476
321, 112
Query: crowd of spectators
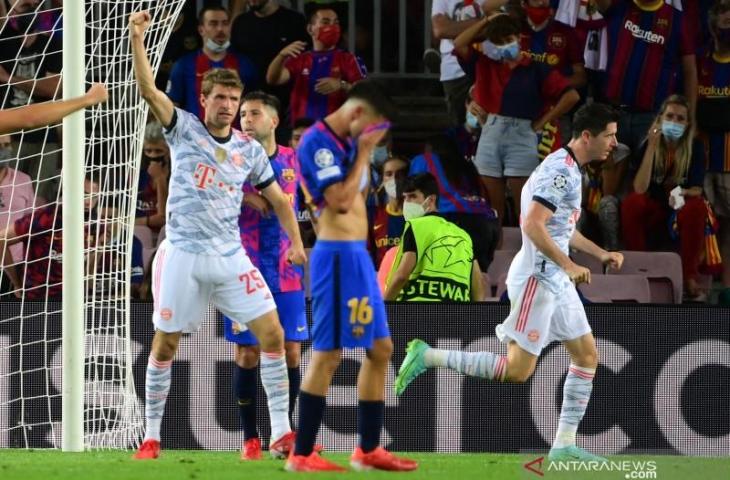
512, 72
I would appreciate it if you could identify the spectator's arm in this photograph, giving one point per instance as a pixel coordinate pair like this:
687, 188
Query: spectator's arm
446, 28
7, 238
567, 100
492, 5
689, 72
159, 103
42, 114
477, 287
277, 73
579, 77
643, 175
466, 37
401, 275
46, 87
692, 192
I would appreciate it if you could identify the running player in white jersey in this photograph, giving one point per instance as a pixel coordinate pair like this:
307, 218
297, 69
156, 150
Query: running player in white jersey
202, 259
541, 285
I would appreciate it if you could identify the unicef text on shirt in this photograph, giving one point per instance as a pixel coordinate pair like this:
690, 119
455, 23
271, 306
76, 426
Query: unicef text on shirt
646, 35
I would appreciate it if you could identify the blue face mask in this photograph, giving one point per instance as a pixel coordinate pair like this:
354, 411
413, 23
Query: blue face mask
380, 155
491, 50
672, 131
511, 51
472, 122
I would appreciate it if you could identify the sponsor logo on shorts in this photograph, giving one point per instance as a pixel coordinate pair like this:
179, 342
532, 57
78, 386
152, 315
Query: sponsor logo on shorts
166, 314
301, 329
533, 335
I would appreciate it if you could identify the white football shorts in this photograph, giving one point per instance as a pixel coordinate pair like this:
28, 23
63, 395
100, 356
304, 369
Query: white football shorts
184, 283
538, 316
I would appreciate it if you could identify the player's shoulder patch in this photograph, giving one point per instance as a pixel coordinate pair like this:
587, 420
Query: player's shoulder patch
324, 157
560, 181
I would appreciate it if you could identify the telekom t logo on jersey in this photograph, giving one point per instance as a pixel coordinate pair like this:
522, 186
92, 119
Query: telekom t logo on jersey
205, 177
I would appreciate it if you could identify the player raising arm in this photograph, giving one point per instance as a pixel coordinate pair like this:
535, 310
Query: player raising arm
43, 114
541, 285
201, 260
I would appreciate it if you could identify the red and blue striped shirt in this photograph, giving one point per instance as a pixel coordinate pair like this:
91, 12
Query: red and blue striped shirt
308, 68
714, 84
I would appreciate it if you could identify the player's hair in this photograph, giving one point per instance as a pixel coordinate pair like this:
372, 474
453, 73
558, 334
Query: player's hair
422, 182
717, 9
683, 152
220, 76
212, 7
593, 117
500, 29
263, 97
153, 132
303, 122
375, 96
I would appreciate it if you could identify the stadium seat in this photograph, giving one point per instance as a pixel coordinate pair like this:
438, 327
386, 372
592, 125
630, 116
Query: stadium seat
617, 288
662, 269
501, 285
589, 261
511, 238
144, 233
500, 265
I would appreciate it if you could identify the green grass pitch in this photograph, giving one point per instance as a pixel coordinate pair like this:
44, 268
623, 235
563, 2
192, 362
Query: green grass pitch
199, 465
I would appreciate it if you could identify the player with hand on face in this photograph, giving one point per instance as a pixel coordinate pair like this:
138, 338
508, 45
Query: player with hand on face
541, 285
201, 260
266, 244
348, 309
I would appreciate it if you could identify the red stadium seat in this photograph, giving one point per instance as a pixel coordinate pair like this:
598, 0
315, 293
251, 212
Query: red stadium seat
662, 269
589, 261
511, 238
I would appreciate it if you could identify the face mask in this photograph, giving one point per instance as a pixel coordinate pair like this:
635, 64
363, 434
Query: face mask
538, 15
389, 186
329, 35
216, 47
511, 51
472, 122
413, 210
672, 131
379, 155
723, 35
491, 50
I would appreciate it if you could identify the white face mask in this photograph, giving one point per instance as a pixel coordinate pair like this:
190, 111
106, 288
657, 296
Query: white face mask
216, 47
389, 186
413, 210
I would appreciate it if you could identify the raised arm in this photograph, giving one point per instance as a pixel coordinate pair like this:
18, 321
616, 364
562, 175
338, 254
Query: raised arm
277, 73
159, 103
42, 114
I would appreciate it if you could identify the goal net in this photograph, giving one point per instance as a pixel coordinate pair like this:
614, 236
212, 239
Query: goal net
30, 219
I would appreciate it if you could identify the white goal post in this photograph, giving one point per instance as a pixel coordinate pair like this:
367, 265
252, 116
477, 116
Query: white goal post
66, 366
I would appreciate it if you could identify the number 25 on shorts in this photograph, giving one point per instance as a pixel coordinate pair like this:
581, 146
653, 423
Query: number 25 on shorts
360, 311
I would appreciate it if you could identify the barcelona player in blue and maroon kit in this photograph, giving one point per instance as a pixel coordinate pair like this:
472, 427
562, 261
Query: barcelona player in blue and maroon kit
321, 77
266, 244
186, 77
347, 306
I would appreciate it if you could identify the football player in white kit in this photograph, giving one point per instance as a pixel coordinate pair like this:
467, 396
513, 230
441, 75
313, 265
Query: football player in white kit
202, 260
541, 285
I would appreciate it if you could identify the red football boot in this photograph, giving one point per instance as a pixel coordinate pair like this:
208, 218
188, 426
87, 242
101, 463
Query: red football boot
149, 450
251, 449
311, 463
380, 459
281, 447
